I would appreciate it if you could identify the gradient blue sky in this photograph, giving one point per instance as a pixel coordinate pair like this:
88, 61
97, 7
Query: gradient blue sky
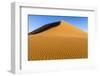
36, 21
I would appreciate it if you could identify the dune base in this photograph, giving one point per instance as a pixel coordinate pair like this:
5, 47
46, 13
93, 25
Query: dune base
53, 47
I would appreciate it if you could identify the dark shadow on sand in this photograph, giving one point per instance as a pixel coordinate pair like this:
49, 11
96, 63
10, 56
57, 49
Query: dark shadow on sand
45, 27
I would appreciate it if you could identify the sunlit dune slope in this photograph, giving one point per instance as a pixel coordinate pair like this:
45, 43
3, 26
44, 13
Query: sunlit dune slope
62, 41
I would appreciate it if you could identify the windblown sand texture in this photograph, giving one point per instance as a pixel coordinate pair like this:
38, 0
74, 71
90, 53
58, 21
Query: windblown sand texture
59, 40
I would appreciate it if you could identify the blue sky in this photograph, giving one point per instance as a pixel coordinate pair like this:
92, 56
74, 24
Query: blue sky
36, 21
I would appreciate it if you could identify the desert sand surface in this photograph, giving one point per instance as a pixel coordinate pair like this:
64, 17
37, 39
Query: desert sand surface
63, 41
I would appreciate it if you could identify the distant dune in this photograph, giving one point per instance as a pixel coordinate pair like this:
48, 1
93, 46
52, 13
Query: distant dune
58, 40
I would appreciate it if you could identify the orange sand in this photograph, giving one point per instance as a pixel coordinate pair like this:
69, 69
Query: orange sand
61, 42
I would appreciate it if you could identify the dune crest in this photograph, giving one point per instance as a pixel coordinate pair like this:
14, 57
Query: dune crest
64, 29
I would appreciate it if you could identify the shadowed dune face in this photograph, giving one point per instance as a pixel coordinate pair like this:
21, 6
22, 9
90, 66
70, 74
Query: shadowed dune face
59, 40
45, 27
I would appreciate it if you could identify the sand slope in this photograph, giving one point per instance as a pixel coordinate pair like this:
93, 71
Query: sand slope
64, 41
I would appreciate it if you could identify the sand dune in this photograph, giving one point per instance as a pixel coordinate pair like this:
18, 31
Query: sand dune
64, 41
